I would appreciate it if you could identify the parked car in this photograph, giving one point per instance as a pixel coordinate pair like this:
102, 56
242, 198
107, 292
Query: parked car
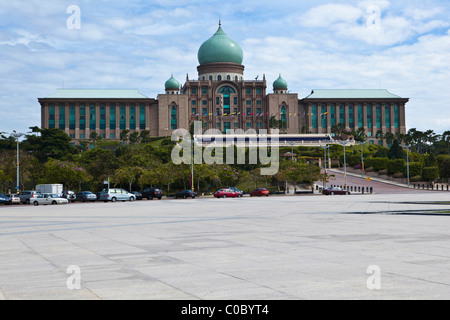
4, 199
227, 193
48, 199
27, 196
151, 193
116, 194
15, 199
84, 196
331, 191
137, 194
259, 192
237, 190
186, 194
69, 195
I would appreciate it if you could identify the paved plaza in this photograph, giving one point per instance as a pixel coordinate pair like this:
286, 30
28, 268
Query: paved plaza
380, 246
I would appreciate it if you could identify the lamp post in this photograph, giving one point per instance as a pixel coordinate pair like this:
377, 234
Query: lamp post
407, 161
17, 136
344, 143
292, 148
362, 156
325, 148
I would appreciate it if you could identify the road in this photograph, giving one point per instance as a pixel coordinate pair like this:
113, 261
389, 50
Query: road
379, 187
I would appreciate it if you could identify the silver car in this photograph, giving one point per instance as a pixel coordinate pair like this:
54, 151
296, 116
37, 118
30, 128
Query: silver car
116, 194
48, 198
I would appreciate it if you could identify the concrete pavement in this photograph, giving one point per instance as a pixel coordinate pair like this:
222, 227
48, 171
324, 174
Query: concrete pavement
287, 248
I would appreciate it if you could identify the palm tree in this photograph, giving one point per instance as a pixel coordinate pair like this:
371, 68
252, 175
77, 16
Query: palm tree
446, 138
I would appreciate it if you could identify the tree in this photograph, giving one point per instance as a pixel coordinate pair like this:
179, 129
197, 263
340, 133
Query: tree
127, 175
395, 151
65, 172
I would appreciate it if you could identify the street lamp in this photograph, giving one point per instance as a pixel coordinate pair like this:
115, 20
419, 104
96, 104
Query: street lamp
292, 148
344, 143
325, 164
17, 136
407, 160
362, 156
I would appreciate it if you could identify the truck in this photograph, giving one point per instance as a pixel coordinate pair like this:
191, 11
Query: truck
50, 188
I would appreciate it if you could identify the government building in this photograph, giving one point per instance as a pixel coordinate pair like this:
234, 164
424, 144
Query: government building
223, 99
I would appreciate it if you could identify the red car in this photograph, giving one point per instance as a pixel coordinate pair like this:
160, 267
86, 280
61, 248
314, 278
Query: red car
259, 192
227, 193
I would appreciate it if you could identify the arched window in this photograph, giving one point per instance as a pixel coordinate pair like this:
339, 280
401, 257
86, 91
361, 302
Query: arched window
283, 117
226, 90
173, 118
219, 78
235, 78
210, 78
228, 77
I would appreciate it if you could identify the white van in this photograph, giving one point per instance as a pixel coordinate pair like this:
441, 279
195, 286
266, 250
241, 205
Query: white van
116, 194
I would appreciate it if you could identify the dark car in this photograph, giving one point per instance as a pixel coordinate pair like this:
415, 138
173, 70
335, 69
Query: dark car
84, 196
331, 191
4, 199
259, 192
186, 194
137, 194
151, 193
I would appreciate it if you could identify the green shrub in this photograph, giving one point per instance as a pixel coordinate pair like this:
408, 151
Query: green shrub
354, 160
415, 169
377, 163
415, 179
398, 175
384, 172
430, 173
396, 166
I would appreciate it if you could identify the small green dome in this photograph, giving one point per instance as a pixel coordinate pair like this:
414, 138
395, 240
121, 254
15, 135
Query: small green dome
220, 48
280, 84
172, 84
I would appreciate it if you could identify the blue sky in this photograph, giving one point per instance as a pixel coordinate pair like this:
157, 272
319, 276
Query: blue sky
402, 46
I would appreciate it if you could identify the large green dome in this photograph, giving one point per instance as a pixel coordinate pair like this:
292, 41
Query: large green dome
220, 48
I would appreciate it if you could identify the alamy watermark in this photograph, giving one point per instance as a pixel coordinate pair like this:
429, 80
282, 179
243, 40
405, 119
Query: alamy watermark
374, 280
373, 21
74, 280
262, 149
73, 22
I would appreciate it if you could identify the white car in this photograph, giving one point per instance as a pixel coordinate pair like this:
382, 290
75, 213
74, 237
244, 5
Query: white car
48, 198
15, 199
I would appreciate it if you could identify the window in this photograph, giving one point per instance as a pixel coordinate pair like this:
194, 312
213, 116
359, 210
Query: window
283, 117
378, 116
173, 118
194, 102
194, 90
226, 90
387, 115
142, 120
82, 117
204, 102
258, 111
235, 101
248, 90
351, 116
258, 102
396, 116
132, 117
210, 78
342, 114
112, 135
92, 117
333, 114
122, 120
249, 111
194, 111
112, 116
228, 77
62, 117
258, 90
360, 116
259, 125
219, 78
51, 116
226, 126
204, 111
102, 117
324, 116
369, 116
217, 100
315, 125
204, 90
249, 125
248, 102
72, 117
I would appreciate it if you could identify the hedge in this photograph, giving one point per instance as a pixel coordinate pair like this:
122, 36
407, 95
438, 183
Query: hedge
376, 163
430, 173
396, 166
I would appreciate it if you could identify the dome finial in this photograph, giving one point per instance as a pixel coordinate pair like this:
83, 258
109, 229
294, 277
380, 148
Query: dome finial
220, 22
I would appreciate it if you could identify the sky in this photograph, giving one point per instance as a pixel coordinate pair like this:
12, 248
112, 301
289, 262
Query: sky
402, 46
